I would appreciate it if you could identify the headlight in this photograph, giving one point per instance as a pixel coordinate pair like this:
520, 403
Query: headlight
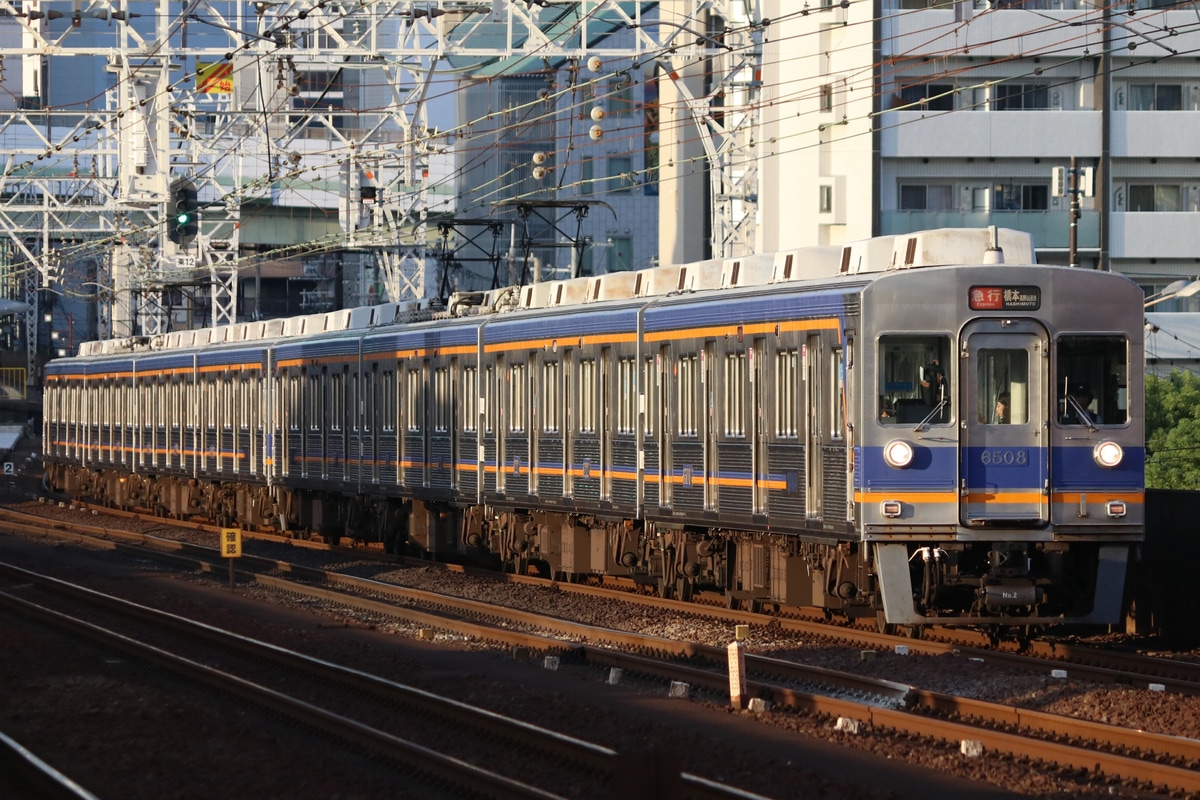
1108, 454
898, 453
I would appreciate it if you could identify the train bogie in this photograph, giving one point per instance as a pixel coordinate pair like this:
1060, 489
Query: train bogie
907, 427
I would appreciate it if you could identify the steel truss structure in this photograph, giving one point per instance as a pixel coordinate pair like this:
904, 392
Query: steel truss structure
224, 93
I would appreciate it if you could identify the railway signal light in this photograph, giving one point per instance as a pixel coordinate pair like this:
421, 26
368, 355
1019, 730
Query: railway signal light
183, 212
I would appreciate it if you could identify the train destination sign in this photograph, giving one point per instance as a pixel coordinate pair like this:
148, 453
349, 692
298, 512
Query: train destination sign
1005, 298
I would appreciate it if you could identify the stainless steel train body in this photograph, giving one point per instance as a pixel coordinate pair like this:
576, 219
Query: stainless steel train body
770, 427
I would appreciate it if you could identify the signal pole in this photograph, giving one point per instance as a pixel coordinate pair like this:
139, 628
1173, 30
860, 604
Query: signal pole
1073, 181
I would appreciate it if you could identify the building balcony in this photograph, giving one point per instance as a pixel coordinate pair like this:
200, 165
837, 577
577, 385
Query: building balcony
1144, 234
991, 134
1051, 230
1155, 134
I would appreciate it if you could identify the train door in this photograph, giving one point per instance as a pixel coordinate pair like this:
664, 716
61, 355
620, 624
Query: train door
666, 396
1004, 465
569, 422
712, 464
501, 423
813, 487
606, 423
758, 433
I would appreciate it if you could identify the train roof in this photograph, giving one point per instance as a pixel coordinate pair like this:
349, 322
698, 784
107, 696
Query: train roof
869, 257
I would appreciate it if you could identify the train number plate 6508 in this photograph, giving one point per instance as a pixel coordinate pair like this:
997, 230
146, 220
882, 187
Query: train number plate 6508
1004, 457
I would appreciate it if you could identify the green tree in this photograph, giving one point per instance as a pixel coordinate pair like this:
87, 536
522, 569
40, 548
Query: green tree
1173, 431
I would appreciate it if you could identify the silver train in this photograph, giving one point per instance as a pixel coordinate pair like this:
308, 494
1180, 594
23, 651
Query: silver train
928, 428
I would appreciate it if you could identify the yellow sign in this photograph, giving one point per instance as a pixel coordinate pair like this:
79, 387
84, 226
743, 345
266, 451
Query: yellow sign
231, 542
215, 77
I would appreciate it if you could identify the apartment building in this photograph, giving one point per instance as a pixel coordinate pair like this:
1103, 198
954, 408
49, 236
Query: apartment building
889, 116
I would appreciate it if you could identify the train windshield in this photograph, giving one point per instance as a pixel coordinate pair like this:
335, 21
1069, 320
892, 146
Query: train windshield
1003, 392
1091, 380
915, 379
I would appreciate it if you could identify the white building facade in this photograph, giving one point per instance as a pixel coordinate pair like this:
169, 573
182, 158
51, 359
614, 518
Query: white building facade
889, 116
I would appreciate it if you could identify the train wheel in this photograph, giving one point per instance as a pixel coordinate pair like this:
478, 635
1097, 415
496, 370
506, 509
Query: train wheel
883, 626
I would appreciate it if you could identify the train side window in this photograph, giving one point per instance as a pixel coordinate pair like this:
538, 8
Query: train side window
1092, 373
915, 378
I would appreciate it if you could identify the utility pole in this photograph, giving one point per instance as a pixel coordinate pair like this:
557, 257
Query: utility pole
1073, 182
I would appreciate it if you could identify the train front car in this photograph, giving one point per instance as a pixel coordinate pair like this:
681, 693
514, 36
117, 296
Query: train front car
1001, 476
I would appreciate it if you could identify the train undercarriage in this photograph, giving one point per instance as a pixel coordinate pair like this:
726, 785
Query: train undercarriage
908, 583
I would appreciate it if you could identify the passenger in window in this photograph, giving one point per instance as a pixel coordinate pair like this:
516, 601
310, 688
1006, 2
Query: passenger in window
1002, 415
886, 412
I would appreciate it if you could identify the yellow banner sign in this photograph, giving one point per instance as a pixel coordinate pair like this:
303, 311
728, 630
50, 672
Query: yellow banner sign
214, 78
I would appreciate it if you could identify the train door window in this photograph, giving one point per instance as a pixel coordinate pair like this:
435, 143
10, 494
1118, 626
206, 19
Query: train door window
588, 416
837, 385
337, 389
387, 401
551, 397
368, 381
735, 395
441, 399
787, 405
412, 400
650, 395
470, 399
292, 411
688, 373
517, 399
313, 406
1002, 387
626, 396
489, 405
1092, 375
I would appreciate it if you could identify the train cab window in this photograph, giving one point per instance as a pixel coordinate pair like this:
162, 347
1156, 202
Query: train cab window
915, 380
1091, 380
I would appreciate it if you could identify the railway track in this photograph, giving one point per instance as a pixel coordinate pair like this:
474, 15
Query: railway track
1049, 656
500, 740
1135, 756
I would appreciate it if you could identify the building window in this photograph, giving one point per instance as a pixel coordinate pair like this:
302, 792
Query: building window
825, 203
1019, 97
620, 254
1155, 197
922, 197
587, 174
928, 96
1155, 97
1021, 197
620, 97
620, 174
827, 97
